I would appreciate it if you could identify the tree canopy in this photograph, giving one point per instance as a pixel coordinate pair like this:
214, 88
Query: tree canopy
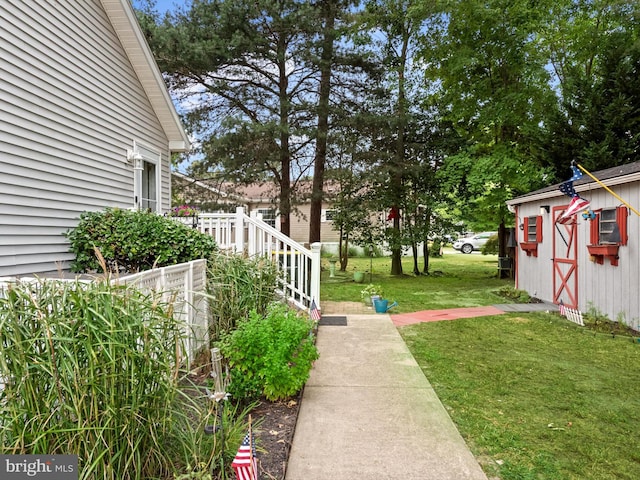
438, 105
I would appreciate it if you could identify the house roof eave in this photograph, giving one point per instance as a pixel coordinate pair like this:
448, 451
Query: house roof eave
125, 23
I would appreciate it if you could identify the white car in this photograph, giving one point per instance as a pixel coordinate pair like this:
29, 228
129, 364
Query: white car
475, 242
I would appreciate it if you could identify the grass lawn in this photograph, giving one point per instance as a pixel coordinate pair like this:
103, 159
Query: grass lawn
456, 280
535, 396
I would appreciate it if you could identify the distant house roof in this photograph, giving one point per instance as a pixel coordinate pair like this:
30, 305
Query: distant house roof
125, 23
200, 183
610, 177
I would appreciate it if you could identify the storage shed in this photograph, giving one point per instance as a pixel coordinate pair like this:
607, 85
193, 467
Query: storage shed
86, 122
592, 261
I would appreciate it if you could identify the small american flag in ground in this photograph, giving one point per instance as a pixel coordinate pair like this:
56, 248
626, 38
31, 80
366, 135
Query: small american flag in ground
245, 464
561, 309
314, 312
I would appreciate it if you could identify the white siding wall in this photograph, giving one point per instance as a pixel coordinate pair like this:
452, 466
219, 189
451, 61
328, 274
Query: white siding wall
613, 290
70, 107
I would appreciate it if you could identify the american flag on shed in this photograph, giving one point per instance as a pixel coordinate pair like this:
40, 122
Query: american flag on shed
561, 309
314, 312
567, 187
245, 464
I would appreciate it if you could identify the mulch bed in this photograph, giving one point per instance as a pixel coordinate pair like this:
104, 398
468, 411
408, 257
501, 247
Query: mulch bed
277, 423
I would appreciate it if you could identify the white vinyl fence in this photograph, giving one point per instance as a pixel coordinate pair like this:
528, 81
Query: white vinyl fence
184, 285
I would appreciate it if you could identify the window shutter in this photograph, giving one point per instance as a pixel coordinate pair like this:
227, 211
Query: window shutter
525, 232
594, 233
621, 219
539, 229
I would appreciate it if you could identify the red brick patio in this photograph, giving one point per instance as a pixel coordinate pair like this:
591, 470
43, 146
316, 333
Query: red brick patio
402, 319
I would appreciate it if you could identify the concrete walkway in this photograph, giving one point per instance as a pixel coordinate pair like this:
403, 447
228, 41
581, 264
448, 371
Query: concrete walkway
368, 412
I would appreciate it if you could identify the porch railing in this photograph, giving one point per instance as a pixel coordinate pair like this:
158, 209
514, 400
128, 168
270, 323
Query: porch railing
299, 280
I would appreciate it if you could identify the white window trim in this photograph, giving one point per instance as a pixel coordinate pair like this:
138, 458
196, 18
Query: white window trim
143, 153
323, 216
257, 213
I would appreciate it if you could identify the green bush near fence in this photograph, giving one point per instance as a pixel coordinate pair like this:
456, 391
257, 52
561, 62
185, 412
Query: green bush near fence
133, 241
93, 369
270, 355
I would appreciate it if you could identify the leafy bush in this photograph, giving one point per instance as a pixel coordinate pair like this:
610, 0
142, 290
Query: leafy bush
492, 246
434, 250
518, 296
370, 290
270, 355
236, 285
133, 241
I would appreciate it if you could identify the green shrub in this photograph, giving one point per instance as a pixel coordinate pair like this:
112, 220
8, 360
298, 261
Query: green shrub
237, 285
518, 296
270, 355
133, 241
434, 250
491, 247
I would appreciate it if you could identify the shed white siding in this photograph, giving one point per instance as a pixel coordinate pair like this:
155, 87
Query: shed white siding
71, 105
612, 290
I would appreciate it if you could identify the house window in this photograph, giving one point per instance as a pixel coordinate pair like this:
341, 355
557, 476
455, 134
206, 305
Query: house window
327, 215
147, 179
610, 227
268, 216
149, 199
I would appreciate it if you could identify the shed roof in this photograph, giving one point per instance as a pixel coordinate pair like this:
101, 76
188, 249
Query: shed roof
125, 23
611, 176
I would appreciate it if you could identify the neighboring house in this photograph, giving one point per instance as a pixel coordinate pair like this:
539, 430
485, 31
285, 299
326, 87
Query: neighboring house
257, 199
86, 122
587, 263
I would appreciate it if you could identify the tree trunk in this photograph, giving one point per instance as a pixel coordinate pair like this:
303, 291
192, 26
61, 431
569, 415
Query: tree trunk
414, 250
343, 247
399, 163
285, 155
502, 246
326, 58
425, 256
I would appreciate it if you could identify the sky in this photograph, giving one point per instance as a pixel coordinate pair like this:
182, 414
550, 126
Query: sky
161, 5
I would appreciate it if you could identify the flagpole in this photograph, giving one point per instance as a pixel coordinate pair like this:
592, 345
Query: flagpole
608, 189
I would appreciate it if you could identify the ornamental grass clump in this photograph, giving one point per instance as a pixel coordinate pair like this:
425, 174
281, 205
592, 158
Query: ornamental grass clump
237, 285
93, 370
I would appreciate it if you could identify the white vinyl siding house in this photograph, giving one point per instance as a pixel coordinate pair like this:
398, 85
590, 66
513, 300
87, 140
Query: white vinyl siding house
80, 94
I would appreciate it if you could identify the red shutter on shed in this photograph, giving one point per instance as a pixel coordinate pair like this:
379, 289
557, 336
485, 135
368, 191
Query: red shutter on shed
525, 235
594, 232
539, 229
621, 219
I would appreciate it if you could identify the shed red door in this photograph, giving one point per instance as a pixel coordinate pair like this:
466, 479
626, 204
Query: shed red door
565, 261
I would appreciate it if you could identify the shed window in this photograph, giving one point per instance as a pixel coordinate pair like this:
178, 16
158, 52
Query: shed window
610, 227
533, 229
